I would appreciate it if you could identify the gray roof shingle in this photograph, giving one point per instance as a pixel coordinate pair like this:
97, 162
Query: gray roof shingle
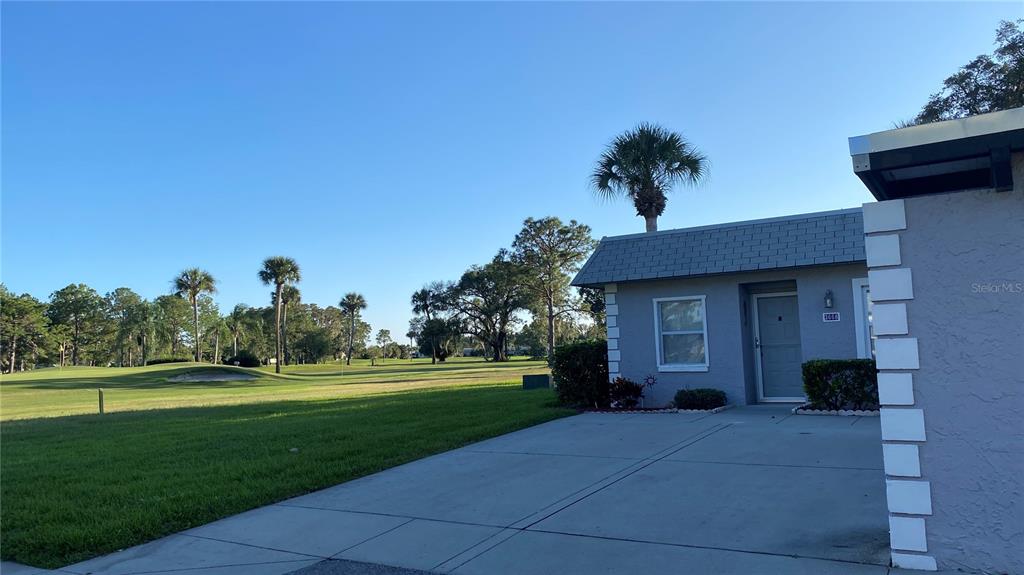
821, 238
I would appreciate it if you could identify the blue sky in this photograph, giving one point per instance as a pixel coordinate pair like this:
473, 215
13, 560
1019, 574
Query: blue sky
386, 145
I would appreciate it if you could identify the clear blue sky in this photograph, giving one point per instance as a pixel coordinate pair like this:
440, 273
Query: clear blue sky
400, 143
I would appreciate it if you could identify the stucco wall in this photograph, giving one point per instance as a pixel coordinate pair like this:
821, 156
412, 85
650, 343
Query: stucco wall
966, 252
728, 308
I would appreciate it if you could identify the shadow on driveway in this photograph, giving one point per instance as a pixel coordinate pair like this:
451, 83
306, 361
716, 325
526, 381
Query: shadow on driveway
747, 490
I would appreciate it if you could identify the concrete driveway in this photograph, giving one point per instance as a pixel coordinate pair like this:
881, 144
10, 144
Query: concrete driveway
748, 490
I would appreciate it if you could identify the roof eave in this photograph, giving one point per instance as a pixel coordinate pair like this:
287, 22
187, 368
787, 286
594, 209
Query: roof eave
967, 153
602, 283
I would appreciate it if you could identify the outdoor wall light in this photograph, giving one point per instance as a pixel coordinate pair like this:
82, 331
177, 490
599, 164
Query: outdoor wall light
828, 299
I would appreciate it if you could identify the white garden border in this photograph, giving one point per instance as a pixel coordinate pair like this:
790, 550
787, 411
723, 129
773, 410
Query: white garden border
662, 410
613, 411
805, 409
715, 410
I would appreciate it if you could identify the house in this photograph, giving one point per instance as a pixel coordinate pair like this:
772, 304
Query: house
929, 280
945, 256
736, 307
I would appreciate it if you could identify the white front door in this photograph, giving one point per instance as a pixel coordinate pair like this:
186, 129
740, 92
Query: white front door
777, 351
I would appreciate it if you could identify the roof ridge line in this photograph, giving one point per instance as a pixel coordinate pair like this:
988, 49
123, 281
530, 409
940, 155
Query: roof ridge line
726, 225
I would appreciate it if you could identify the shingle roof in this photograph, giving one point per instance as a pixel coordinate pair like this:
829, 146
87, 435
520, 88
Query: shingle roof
792, 241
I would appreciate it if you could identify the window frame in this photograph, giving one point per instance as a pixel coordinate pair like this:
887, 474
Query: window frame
658, 333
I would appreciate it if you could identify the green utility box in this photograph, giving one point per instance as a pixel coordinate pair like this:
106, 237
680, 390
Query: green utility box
542, 381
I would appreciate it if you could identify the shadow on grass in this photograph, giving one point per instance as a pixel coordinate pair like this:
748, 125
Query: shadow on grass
420, 368
148, 380
110, 379
78, 486
286, 407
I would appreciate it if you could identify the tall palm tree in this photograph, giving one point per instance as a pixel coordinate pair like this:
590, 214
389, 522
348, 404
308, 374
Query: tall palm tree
236, 326
289, 295
190, 284
280, 271
643, 164
352, 303
422, 301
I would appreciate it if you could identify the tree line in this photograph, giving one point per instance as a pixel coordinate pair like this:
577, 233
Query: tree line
988, 83
519, 301
79, 326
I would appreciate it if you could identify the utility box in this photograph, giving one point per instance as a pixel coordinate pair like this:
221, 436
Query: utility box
542, 381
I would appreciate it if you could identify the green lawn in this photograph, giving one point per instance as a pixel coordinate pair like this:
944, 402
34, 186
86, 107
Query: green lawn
72, 390
169, 456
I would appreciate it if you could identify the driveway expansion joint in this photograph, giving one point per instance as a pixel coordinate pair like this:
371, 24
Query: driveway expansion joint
253, 545
628, 472
402, 524
706, 547
495, 452
784, 465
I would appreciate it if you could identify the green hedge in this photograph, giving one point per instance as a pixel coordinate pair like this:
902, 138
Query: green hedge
159, 360
580, 373
834, 384
625, 393
702, 398
245, 358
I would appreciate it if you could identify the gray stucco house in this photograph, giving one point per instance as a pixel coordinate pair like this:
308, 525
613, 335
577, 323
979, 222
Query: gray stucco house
736, 306
929, 280
945, 248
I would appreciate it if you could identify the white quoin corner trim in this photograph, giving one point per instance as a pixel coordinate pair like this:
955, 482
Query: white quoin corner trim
611, 314
908, 494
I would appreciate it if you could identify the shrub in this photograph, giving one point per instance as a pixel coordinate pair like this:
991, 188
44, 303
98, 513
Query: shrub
834, 384
625, 393
580, 374
245, 358
702, 398
159, 360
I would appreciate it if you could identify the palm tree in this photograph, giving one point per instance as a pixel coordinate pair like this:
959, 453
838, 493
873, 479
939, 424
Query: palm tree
236, 326
427, 302
190, 284
352, 303
280, 271
423, 302
290, 294
383, 341
643, 164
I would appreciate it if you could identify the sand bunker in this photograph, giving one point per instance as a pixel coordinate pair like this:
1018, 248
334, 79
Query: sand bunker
211, 375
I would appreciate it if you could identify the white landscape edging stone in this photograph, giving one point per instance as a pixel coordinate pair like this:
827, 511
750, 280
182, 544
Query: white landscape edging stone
805, 410
632, 411
715, 410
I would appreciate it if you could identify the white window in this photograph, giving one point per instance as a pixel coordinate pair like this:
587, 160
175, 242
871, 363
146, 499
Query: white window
681, 333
